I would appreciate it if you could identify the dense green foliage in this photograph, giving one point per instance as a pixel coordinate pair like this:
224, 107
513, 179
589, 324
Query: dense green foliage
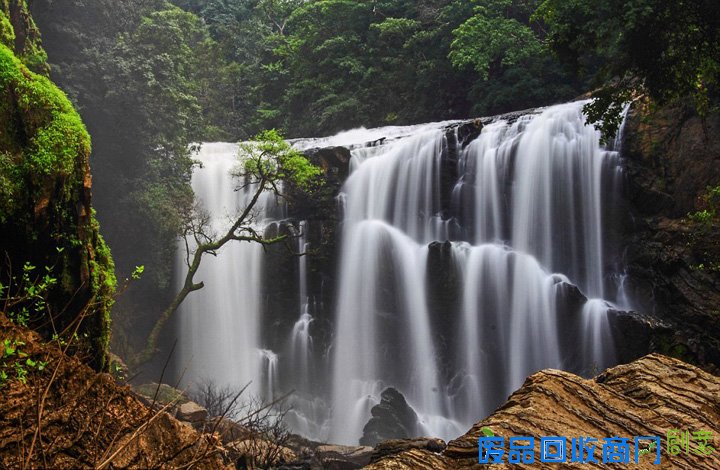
269, 156
45, 214
138, 71
320, 66
492, 38
666, 49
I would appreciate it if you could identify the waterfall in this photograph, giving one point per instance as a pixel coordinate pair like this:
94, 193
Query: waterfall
529, 196
465, 264
300, 338
219, 325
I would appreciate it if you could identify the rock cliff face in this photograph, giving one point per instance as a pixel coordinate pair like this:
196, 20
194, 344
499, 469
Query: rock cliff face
672, 159
648, 397
46, 219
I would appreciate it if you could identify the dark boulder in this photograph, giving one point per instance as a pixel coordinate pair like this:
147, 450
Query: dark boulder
392, 418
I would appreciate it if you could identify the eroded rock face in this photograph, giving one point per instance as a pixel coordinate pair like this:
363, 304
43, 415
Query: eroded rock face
647, 397
397, 446
392, 418
336, 457
672, 156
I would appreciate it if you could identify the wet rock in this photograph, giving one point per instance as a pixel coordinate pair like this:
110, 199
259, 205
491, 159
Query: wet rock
635, 333
392, 418
444, 294
335, 161
469, 131
671, 157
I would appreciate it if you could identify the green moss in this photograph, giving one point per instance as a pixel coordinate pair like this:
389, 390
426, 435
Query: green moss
55, 147
103, 284
44, 154
30, 49
8, 186
55, 133
7, 33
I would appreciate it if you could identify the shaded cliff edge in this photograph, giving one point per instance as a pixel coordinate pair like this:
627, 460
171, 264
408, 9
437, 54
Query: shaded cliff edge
672, 158
647, 397
46, 218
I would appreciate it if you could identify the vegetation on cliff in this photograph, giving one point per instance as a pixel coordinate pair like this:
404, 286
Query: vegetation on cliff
46, 220
140, 75
663, 49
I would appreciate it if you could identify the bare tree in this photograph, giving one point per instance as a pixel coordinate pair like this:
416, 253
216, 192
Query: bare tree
262, 439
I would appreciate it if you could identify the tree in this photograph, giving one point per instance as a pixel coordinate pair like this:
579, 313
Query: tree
504, 47
491, 39
265, 162
664, 49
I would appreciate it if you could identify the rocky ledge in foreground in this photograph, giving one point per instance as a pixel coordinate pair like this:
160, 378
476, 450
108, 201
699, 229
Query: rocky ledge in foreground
647, 397
56, 412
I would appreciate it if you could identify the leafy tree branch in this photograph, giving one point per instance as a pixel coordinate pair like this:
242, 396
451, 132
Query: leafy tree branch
266, 162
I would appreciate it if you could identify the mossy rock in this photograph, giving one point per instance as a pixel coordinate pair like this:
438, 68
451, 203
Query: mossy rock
19, 32
7, 32
45, 213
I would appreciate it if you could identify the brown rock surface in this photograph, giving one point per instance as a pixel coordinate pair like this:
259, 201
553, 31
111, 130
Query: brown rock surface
396, 446
647, 397
257, 453
338, 457
68, 416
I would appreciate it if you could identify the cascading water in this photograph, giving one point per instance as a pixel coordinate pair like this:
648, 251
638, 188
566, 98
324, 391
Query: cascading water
219, 326
464, 266
529, 196
300, 340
